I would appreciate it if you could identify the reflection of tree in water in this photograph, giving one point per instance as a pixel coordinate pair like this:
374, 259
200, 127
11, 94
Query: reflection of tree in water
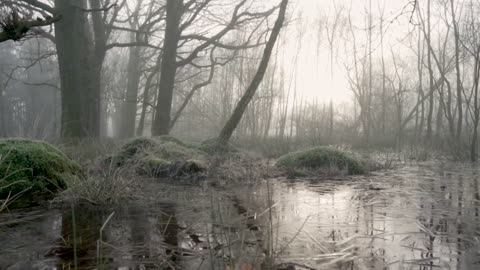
132, 237
169, 227
423, 222
153, 235
88, 222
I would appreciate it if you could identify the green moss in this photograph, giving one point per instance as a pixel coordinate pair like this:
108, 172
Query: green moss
321, 158
159, 156
34, 167
153, 166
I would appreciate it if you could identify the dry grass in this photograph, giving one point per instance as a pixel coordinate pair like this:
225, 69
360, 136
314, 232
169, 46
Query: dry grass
241, 166
104, 184
112, 187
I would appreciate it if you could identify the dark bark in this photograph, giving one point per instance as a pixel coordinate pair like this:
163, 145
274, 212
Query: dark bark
146, 95
129, 109
161, 122
76, 68
100, 36
234, 120
15, 28
80, 55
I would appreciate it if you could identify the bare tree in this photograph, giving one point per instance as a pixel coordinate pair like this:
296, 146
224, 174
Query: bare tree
179, 34
232, 123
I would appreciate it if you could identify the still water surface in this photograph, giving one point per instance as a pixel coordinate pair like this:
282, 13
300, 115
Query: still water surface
415, 217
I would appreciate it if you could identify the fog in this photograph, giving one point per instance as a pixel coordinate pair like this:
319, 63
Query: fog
311, 68
358, 56
216, 129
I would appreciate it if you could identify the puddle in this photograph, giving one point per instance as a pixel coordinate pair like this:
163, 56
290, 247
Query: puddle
418, 217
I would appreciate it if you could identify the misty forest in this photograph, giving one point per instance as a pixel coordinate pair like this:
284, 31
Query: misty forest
239, 134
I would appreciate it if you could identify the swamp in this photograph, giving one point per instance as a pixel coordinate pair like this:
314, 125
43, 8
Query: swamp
239, 134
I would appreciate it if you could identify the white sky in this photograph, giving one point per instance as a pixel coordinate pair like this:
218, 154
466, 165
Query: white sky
316, 78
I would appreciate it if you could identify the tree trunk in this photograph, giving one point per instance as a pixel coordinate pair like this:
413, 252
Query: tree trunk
234, 120
3, 130
161, 122
98, 55
146, 94
384, 77
129, 109
440, 112
430, 72
370, 78
76, 69
421, 95
457, 69
476, 78
330, 120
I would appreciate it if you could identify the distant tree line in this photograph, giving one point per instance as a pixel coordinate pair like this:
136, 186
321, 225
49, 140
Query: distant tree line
126, 68
170, 44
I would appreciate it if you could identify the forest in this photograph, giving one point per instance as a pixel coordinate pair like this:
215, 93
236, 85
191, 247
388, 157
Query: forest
239, 134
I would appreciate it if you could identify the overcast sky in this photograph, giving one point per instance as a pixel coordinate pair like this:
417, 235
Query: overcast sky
316, 77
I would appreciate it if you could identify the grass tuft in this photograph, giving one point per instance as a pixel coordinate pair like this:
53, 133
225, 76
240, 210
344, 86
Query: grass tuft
112, 188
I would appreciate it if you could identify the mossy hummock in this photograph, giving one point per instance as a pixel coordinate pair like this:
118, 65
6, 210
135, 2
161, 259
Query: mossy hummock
321, 158
160, 156
28, 166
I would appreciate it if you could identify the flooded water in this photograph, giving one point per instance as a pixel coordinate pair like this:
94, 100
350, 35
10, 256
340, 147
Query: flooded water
415, 217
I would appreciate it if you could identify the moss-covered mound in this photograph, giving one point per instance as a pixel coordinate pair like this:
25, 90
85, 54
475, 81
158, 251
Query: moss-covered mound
160, 156
321, 158
33, 167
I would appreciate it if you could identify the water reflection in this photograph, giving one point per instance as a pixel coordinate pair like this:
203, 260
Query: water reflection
413, 218
419, 217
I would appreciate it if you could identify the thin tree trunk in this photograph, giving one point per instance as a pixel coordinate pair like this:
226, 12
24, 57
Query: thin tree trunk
440, 112
370, 77
476, 78
430, 72
234, 120
384, 87
190, 95
3, 130
421, 94
458, 75
146, 94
